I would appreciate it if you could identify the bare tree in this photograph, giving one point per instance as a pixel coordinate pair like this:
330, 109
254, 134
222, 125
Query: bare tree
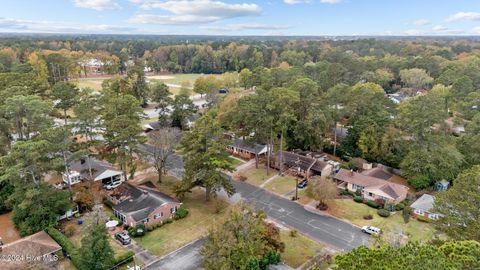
163, 144
323, 190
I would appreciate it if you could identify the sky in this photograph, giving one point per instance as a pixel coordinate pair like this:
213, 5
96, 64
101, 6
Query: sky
243, 17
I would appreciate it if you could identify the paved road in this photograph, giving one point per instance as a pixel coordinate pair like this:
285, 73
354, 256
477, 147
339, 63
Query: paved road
185, 258
335, 233
331, 231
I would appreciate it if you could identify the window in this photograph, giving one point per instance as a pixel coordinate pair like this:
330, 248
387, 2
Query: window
145, 220
173, 210
370, 194
433, 216
156, 216
419, 212
356, 187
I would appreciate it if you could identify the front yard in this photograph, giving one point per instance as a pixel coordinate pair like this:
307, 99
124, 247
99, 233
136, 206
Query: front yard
394, 228
298, 249
281, 184
257, 176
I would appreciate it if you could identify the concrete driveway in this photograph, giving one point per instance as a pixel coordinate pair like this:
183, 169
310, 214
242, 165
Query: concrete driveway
184, 258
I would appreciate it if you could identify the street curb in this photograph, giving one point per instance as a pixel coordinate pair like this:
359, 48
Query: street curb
312, 210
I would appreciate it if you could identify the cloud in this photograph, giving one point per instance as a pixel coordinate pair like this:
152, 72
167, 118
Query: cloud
476, 30
421, 22
98, 5
191, 12
443, 30
28, 26
246, 26
464, 16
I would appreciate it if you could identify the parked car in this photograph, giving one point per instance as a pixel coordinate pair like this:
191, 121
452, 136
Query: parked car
113, 185
223, 91
123, 238
303, 184
371, 230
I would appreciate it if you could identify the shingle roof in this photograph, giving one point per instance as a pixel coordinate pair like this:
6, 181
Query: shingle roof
245, 145
290, 159
35, 245
378, 172
140, 201
425, 202
372, 184
98, 167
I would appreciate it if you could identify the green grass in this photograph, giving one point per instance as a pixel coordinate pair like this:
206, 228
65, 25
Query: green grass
94, 83
202, 216
391, 226
235, 162
257, 176
281, 185
298, 249
176, 78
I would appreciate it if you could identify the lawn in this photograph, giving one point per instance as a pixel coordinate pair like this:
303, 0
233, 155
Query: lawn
94, 83
281, 185
298, 249
392, 226
202, 216
235, 162
176, 78
257, 176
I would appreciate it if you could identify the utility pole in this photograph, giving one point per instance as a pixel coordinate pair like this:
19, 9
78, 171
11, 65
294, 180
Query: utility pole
297, 163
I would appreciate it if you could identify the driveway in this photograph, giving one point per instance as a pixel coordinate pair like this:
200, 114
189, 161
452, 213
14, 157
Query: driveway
141, 254
185, 258
335, 233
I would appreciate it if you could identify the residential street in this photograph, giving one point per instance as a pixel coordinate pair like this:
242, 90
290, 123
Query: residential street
331, 231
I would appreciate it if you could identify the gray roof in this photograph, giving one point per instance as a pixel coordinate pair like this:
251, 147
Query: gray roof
247, 146
154, 125
425, 202
290, 160
378, 172
98, 167
139, 201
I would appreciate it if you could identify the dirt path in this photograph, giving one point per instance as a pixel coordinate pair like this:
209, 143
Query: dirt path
8, 233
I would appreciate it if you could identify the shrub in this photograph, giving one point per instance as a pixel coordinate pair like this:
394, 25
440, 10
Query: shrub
368, 217
69, 229
345, 192
358, 199
383, 212
420, 182
400, 206
293, 233
423, 219
181, 213
219, 206
168, 220
406, 214
373, 204
358, 192
66, 245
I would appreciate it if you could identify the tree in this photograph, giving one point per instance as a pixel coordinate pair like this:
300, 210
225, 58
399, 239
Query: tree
462, 87
121, 115
450, 255
323, 190
244, 241
28, 115
205, 158
415, 78
138, 83
163, 144
160, 94
206, 85
183, 108
66, 94
37, 208
433, 160
96, 252
459, 206
245, 78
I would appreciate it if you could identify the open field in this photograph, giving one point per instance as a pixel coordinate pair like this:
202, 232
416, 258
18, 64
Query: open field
392, 226
298, 249
8, 232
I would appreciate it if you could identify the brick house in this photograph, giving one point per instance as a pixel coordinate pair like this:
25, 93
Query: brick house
373, 184
246, 150
143, 205
423, 207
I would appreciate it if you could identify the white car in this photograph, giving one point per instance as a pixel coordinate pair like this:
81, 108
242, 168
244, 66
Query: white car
112, 185
371, 230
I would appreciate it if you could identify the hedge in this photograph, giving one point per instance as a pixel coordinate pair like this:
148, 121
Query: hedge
124, 258
358, 199
66, 245
383, 212
423, 219
373, 204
